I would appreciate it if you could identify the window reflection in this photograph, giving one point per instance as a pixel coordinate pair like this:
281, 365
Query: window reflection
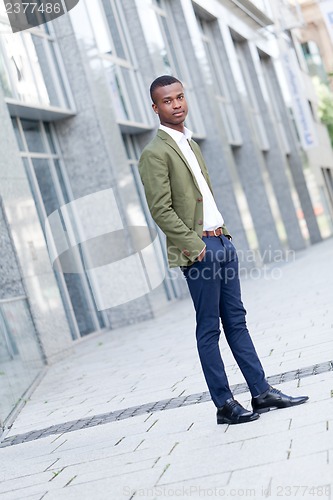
112, 73
19, 68
50, 138
215, 76
154, 38
20, 355
166, 50
256, 118
115, 29
83, 26
33, 136
4, 77
51, 190
18, 134
46, 184
99, 28
104, 38
28, 65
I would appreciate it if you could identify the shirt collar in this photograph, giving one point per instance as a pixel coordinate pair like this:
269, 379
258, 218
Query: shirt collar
176, 135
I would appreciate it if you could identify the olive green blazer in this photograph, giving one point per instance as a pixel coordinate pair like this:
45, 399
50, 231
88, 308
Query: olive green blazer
174, 198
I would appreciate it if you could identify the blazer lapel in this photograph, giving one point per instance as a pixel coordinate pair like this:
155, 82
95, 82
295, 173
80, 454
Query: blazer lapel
168, 139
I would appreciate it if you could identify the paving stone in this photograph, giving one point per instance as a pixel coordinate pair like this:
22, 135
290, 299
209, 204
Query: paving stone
154, 425
25, 481
154, 407
31, 493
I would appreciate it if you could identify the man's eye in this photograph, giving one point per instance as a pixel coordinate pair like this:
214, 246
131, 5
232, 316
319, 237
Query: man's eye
181, 97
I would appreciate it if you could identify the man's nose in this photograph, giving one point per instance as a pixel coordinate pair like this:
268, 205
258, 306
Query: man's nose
176, 104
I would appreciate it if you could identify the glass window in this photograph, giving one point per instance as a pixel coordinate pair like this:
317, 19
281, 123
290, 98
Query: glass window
4, 76
82, 25
60, 176
50, 139
92, 14
40, 44
23, 85
164, 45
51, 189
272, 104
127, 182
138, 213
112, 16
215, 76
33, 136
102, 34
154, 38
257, 121
170, 40
30, 69
46, 184
119, 99
129, 83
18, 134
82, 308
57, 68
20, 354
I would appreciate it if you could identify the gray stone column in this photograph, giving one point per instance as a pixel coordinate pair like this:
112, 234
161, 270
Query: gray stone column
294, 159
32, 274
11, 284
276, 164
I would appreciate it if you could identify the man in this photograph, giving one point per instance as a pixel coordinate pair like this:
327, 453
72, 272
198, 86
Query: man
180, 198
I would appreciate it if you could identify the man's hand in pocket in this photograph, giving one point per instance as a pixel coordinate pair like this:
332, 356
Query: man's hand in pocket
201, 254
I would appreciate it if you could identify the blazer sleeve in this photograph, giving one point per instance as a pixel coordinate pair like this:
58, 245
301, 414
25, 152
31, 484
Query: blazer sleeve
154, 174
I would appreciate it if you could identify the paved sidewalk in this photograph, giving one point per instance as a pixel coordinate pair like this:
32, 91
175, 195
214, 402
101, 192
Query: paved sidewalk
127, 415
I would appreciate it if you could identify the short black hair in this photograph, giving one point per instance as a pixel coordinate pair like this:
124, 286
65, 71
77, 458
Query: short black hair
162, 81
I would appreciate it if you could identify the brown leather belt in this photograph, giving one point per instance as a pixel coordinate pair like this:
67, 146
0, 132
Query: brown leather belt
216, 232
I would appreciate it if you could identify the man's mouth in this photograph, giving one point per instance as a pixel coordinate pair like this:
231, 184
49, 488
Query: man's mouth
178, 113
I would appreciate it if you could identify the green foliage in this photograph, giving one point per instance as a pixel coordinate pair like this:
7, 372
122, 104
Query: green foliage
325, 105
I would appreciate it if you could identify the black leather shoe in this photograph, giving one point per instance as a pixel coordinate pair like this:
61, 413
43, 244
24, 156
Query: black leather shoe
273, 399
233, 413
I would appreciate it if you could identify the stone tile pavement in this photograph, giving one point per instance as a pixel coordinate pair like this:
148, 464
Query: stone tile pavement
180, 452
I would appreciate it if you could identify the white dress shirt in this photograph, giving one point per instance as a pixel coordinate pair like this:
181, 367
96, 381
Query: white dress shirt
212, 217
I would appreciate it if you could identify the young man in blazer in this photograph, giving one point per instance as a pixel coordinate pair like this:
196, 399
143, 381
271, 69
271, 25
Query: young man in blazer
181, 201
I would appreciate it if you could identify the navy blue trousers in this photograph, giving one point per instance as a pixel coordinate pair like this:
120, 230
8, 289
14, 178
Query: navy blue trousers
215, 290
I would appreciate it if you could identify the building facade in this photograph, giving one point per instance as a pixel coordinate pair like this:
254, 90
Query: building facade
75, 114
315, 37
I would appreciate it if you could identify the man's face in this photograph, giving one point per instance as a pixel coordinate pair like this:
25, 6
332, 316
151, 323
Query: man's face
171, 106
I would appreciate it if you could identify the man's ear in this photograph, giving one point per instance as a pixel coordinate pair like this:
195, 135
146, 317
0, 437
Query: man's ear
155, 108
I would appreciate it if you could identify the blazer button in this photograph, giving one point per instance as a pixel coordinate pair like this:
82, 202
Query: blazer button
199, 199
200, 221
186, 252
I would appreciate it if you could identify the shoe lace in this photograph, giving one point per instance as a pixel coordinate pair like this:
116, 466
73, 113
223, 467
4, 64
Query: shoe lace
233, 403
275, 391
